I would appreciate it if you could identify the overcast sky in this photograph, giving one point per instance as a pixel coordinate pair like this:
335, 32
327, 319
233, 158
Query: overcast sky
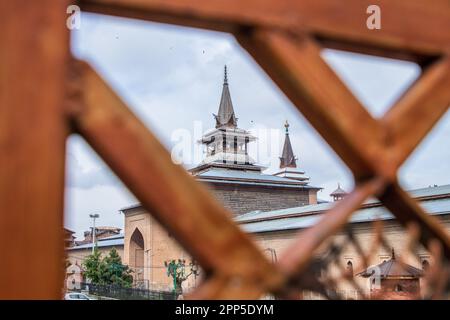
172, 78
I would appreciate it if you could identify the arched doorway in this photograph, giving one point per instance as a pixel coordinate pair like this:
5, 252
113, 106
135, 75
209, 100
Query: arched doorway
136, 259
350, 269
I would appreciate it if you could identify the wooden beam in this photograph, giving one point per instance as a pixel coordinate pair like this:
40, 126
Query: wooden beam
417, 26
415, 114
201, 225
295, 64
35, 42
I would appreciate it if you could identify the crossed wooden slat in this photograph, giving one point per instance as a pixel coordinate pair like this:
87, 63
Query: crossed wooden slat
285, 38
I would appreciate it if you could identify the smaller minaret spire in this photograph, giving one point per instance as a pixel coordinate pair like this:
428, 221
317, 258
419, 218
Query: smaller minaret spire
287, 159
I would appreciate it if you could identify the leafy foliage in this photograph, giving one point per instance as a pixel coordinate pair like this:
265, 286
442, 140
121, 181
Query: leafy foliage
177, 270
107, 270
115, 272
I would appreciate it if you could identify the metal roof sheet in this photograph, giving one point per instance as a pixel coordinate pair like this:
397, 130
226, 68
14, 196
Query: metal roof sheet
430, 191
247, 175
433, 207
117, 240
117, 236
296, 186
393, 268
282, 212
417, 193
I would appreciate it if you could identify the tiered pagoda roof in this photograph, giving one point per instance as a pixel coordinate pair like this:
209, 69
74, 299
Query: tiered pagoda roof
227, 160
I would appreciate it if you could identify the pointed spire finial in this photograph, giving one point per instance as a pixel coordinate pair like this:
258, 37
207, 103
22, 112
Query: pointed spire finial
225, 75
287, 159
286, 125
225, 117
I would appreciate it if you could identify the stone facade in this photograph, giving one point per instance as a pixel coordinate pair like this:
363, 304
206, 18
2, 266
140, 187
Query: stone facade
273, 244
147, 258
158, 247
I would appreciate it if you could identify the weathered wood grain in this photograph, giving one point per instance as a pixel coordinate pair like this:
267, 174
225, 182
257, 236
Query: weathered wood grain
415, 27
35, 42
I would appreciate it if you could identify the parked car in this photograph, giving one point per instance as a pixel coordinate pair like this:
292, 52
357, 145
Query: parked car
77, 296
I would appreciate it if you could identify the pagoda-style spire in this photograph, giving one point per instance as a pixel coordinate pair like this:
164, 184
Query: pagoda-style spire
338, 194
287, 159
225, 118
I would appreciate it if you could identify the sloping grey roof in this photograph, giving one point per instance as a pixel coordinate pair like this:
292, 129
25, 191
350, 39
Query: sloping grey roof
338, 191
307, 216
117, 236
117, 240
131, 206
308, 209
430, 191
393, 268
248, 177
434, 207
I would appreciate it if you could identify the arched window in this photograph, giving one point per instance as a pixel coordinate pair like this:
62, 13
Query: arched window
136, 251
350, 268
425, 265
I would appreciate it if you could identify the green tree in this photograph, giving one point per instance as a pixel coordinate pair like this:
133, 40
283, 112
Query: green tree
107, 270
115, 272
93, 266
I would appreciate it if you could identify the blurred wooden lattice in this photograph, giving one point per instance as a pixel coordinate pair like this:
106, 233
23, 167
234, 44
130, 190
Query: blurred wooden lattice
45, 96
327, 272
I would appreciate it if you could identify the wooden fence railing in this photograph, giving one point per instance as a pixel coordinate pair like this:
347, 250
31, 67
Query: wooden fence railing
45, 95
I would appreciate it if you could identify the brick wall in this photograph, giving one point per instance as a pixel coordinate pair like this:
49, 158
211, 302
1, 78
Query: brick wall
242, 199
159, 247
